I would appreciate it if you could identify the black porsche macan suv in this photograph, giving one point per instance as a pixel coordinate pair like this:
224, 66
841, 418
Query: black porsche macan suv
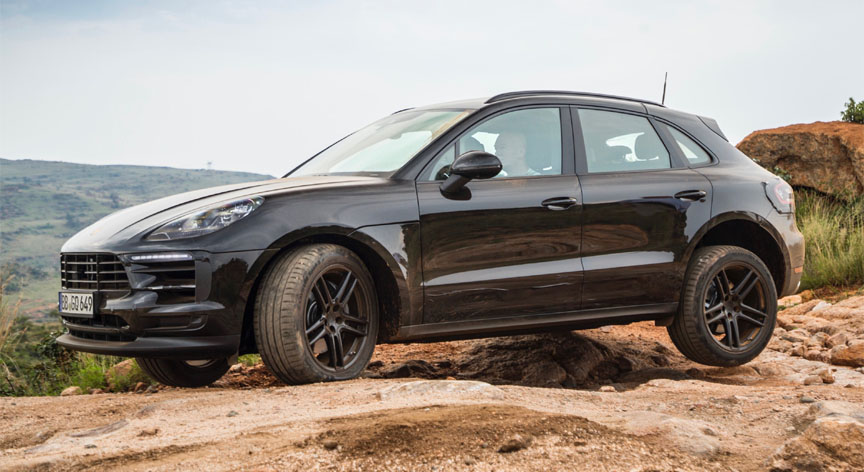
527, 211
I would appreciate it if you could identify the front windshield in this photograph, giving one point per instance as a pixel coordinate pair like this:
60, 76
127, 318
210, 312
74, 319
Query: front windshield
384, 146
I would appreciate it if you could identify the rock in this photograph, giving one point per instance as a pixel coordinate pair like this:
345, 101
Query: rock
821, 305
148, 432
73, 390
410, 368
232, 414
119, 370
139, 387
515, 443
790, 300
96, 391
853, 356
330, 444
812, 355
812, 380
838, 339
827, 444
436, 388
772, 369
806, 399
236, 368
826, 376
796, 336
691, 436
828, 157
607, 388
797, 351
835, 408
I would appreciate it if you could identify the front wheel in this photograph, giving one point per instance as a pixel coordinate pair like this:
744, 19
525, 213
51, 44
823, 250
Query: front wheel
728, 307
316, 315
181, 373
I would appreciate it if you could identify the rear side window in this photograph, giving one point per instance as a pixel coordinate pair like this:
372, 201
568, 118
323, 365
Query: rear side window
618, 142
693, 152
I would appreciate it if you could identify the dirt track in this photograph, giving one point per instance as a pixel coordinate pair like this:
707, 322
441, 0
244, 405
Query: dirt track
678, 416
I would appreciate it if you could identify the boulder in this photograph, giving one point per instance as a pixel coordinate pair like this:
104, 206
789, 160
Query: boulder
828, 157
73, 390
853, 356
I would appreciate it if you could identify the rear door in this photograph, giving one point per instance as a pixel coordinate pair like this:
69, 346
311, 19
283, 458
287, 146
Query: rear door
641, 206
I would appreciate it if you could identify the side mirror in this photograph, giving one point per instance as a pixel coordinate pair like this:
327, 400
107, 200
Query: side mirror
469, 166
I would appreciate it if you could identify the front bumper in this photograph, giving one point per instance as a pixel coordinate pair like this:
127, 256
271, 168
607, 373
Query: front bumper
154, 319
204, 347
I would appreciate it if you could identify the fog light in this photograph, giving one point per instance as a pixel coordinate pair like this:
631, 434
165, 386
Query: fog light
161, 257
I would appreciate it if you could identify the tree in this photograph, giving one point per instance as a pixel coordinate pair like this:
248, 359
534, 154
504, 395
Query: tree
854, 112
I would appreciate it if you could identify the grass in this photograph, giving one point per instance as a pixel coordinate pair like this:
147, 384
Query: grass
834, 237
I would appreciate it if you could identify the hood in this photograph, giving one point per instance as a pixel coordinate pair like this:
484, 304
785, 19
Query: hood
131, 222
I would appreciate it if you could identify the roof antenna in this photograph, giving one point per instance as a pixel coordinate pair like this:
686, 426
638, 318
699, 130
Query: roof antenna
663, 100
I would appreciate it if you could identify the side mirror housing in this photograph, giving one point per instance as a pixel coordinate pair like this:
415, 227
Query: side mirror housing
469, 166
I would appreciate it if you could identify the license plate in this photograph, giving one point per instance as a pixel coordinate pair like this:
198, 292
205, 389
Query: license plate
76, 303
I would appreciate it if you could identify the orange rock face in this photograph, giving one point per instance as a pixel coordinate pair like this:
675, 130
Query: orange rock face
828, 157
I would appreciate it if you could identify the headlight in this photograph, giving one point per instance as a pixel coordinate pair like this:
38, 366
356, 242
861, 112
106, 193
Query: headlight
206, 221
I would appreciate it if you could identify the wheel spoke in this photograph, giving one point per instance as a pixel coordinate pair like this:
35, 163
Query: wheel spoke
750, 320
318, 338
715, 319
722, 283
354, 319
714, 309
743, 290
316, 325
322, 293
353, 330
752, 311
346, 288
338, 354
732, 335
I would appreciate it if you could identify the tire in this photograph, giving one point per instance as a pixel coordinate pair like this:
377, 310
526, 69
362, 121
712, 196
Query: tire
305, 333
188, 374
706, 312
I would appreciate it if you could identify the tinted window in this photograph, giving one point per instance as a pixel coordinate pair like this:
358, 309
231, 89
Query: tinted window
693, 152
528, 142
618, 142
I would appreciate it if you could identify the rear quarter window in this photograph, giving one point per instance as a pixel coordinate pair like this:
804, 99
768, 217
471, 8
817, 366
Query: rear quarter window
693, 152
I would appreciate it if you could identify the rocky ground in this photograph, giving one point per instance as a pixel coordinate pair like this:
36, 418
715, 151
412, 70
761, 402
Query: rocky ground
614, 398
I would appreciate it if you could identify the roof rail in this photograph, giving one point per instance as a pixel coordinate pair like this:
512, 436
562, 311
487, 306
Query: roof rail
526, 93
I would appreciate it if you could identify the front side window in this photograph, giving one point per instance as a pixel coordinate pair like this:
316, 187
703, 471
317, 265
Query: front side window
384, 146
618, 142
528, 143
693, 152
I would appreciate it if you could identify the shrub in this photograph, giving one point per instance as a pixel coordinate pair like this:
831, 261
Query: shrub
834, 237
854, 112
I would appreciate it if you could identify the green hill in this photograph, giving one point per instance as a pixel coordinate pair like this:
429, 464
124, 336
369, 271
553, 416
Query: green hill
43, 203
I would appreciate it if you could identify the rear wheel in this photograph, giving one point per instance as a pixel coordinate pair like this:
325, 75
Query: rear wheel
728, 307
182, 373
316, 316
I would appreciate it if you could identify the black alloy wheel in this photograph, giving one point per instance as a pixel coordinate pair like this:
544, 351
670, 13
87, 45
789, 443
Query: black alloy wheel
728, 307
336, 326
735, 306
316, 315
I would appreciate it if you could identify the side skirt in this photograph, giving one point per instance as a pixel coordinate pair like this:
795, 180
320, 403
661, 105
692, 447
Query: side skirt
582, 319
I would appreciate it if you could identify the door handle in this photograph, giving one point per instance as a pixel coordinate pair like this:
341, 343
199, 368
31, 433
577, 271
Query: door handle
692, 195
559, 203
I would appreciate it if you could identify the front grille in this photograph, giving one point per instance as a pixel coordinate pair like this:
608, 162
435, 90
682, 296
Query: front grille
98, 272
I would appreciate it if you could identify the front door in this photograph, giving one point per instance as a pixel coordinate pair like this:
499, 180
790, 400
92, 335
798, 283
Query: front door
512, 247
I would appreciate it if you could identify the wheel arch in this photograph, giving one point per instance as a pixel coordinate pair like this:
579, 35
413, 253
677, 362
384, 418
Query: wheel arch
749, 231
389, 280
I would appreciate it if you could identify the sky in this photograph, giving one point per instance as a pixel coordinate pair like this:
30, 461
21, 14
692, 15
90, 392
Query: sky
261, 86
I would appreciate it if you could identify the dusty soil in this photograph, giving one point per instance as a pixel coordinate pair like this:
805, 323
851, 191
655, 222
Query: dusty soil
614, 398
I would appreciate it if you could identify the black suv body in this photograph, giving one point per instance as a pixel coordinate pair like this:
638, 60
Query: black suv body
613, 210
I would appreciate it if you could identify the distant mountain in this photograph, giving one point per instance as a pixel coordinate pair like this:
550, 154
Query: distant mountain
43, 203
